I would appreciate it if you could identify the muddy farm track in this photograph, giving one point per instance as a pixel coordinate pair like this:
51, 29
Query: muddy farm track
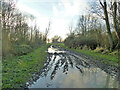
68, 69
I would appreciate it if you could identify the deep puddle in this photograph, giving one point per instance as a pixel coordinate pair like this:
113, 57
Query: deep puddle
67, 70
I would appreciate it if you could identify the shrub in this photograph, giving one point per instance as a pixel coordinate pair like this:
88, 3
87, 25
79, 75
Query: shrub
22, 49
80, 42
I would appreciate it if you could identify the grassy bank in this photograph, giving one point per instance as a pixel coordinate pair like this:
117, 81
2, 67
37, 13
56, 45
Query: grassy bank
107, 59
18, 70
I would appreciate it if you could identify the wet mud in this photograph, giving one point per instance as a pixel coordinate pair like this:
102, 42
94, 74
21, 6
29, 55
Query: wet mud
64, 69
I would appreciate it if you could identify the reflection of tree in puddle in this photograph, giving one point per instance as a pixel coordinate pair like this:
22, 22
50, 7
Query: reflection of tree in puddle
110, 83
48, 65
70, 61
64, 61
65, 69
55, 69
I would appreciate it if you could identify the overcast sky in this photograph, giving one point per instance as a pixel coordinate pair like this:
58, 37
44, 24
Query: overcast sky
61, 13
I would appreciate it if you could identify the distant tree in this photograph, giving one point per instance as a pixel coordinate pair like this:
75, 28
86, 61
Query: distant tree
47, 31
56, 39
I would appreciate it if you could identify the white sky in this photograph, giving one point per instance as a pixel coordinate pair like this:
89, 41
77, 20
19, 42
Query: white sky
60, 12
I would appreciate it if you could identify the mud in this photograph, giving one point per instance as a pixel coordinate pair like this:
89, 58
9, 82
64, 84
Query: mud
69, 69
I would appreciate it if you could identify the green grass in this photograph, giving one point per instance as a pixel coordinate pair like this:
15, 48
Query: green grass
18, 70
107, 59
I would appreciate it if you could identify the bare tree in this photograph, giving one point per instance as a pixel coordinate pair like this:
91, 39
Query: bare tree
115, 23
70, 27
104, 6
47, 31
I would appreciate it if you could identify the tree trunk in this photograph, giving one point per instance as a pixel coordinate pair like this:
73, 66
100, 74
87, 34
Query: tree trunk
108, 26
116, 28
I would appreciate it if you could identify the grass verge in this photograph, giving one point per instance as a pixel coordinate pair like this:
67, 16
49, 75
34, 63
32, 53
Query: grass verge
107, 59
18, 70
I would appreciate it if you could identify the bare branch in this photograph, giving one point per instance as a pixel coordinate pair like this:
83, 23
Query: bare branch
101, 4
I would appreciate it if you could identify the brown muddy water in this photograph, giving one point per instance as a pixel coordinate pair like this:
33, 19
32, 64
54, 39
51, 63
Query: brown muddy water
67, 70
